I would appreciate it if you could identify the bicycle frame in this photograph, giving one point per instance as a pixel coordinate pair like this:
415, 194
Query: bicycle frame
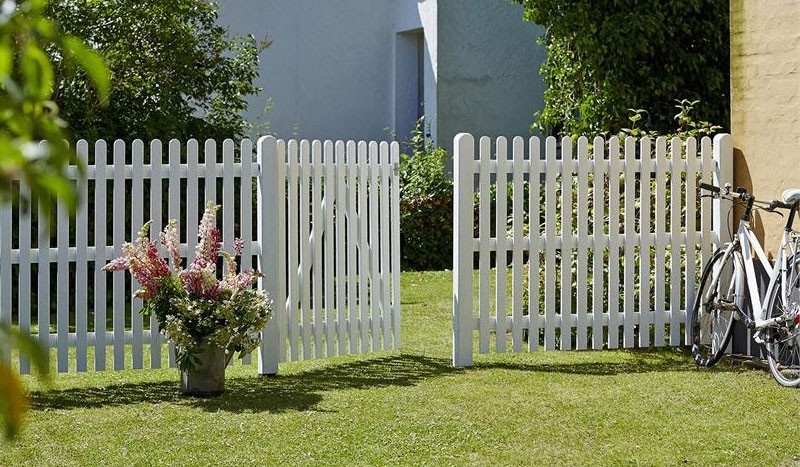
745, 273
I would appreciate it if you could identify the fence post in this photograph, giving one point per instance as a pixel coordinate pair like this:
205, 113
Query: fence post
271, 238
463, 219
723, 157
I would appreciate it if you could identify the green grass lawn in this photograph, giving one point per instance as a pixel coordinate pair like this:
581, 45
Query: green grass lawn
412, 408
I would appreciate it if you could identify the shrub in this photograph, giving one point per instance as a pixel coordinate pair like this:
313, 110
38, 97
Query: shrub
426, 206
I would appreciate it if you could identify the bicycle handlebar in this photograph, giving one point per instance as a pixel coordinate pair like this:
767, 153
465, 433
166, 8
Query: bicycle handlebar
742, 194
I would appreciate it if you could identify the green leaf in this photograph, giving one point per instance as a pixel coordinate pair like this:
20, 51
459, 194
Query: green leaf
38, 73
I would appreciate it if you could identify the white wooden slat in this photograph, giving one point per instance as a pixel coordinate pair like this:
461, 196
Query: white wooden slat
62, 287
174, 206
661, 241
630, 246
645, 229
24, 300
534, 231
340, 237
281, 281
295, 273
501, 216
484, 234
384, 278
195, 203
463, 248
5, 267
119, 235
599, 248
43, 279
317, 228
156, 213
210, 162
305, 245
566, 244
329, 186
352, 252
363, 248
246, 203
691, 273
395, 243
614, 242
137, 220
582, 308
228, 205
550, 291
518, 221
100, 241
707, 239
374, 287
81, 279
676, 197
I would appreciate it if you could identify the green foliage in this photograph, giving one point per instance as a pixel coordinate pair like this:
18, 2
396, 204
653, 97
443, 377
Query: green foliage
28, 114
426, 207
608, 55
174, 72
29, 117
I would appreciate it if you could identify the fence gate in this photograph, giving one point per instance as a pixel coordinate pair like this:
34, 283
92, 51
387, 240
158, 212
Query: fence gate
320, 219
581, 244
336, 238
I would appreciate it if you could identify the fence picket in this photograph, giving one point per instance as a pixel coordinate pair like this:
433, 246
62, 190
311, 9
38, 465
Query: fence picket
156, 158
631, 245
100, 257
372, 248
550, 290
646, 234
582, 274
517, 267
566, 244
340, 237
329, 203
137, 219
676, 318
484, 235
25, 277
661, 172
535, 233
600, 243
501, 216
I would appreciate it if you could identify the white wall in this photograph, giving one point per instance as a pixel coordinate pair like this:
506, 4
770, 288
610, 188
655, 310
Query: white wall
488, 69
347, 69
327, 71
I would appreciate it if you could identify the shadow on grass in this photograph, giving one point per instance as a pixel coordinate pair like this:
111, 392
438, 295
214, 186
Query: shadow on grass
293, 392
637, 361
303, 391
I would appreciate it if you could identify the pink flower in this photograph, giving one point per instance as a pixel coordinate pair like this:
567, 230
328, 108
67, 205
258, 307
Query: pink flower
209, 245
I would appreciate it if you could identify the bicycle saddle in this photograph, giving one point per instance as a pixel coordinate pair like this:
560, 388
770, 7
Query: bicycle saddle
791, 195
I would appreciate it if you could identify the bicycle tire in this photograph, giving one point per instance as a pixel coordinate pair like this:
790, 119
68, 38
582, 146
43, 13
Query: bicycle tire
782, 344
711, 318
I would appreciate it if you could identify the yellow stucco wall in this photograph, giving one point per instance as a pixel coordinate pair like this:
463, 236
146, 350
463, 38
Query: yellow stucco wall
765, 99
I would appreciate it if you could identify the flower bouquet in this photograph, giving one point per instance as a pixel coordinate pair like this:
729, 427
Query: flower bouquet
195, 309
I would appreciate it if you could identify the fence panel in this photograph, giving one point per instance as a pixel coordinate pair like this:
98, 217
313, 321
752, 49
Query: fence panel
332, 270
613, 237
341, 250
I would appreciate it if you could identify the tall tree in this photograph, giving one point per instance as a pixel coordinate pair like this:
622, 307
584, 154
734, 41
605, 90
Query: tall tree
608, 56
174, 72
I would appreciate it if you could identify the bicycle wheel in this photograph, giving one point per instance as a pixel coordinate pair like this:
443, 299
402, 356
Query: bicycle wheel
711, 317
783, 342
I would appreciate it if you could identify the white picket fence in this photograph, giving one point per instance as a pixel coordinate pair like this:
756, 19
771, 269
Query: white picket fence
609, 258
52, 285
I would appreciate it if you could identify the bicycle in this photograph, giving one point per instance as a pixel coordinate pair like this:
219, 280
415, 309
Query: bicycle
728, 283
